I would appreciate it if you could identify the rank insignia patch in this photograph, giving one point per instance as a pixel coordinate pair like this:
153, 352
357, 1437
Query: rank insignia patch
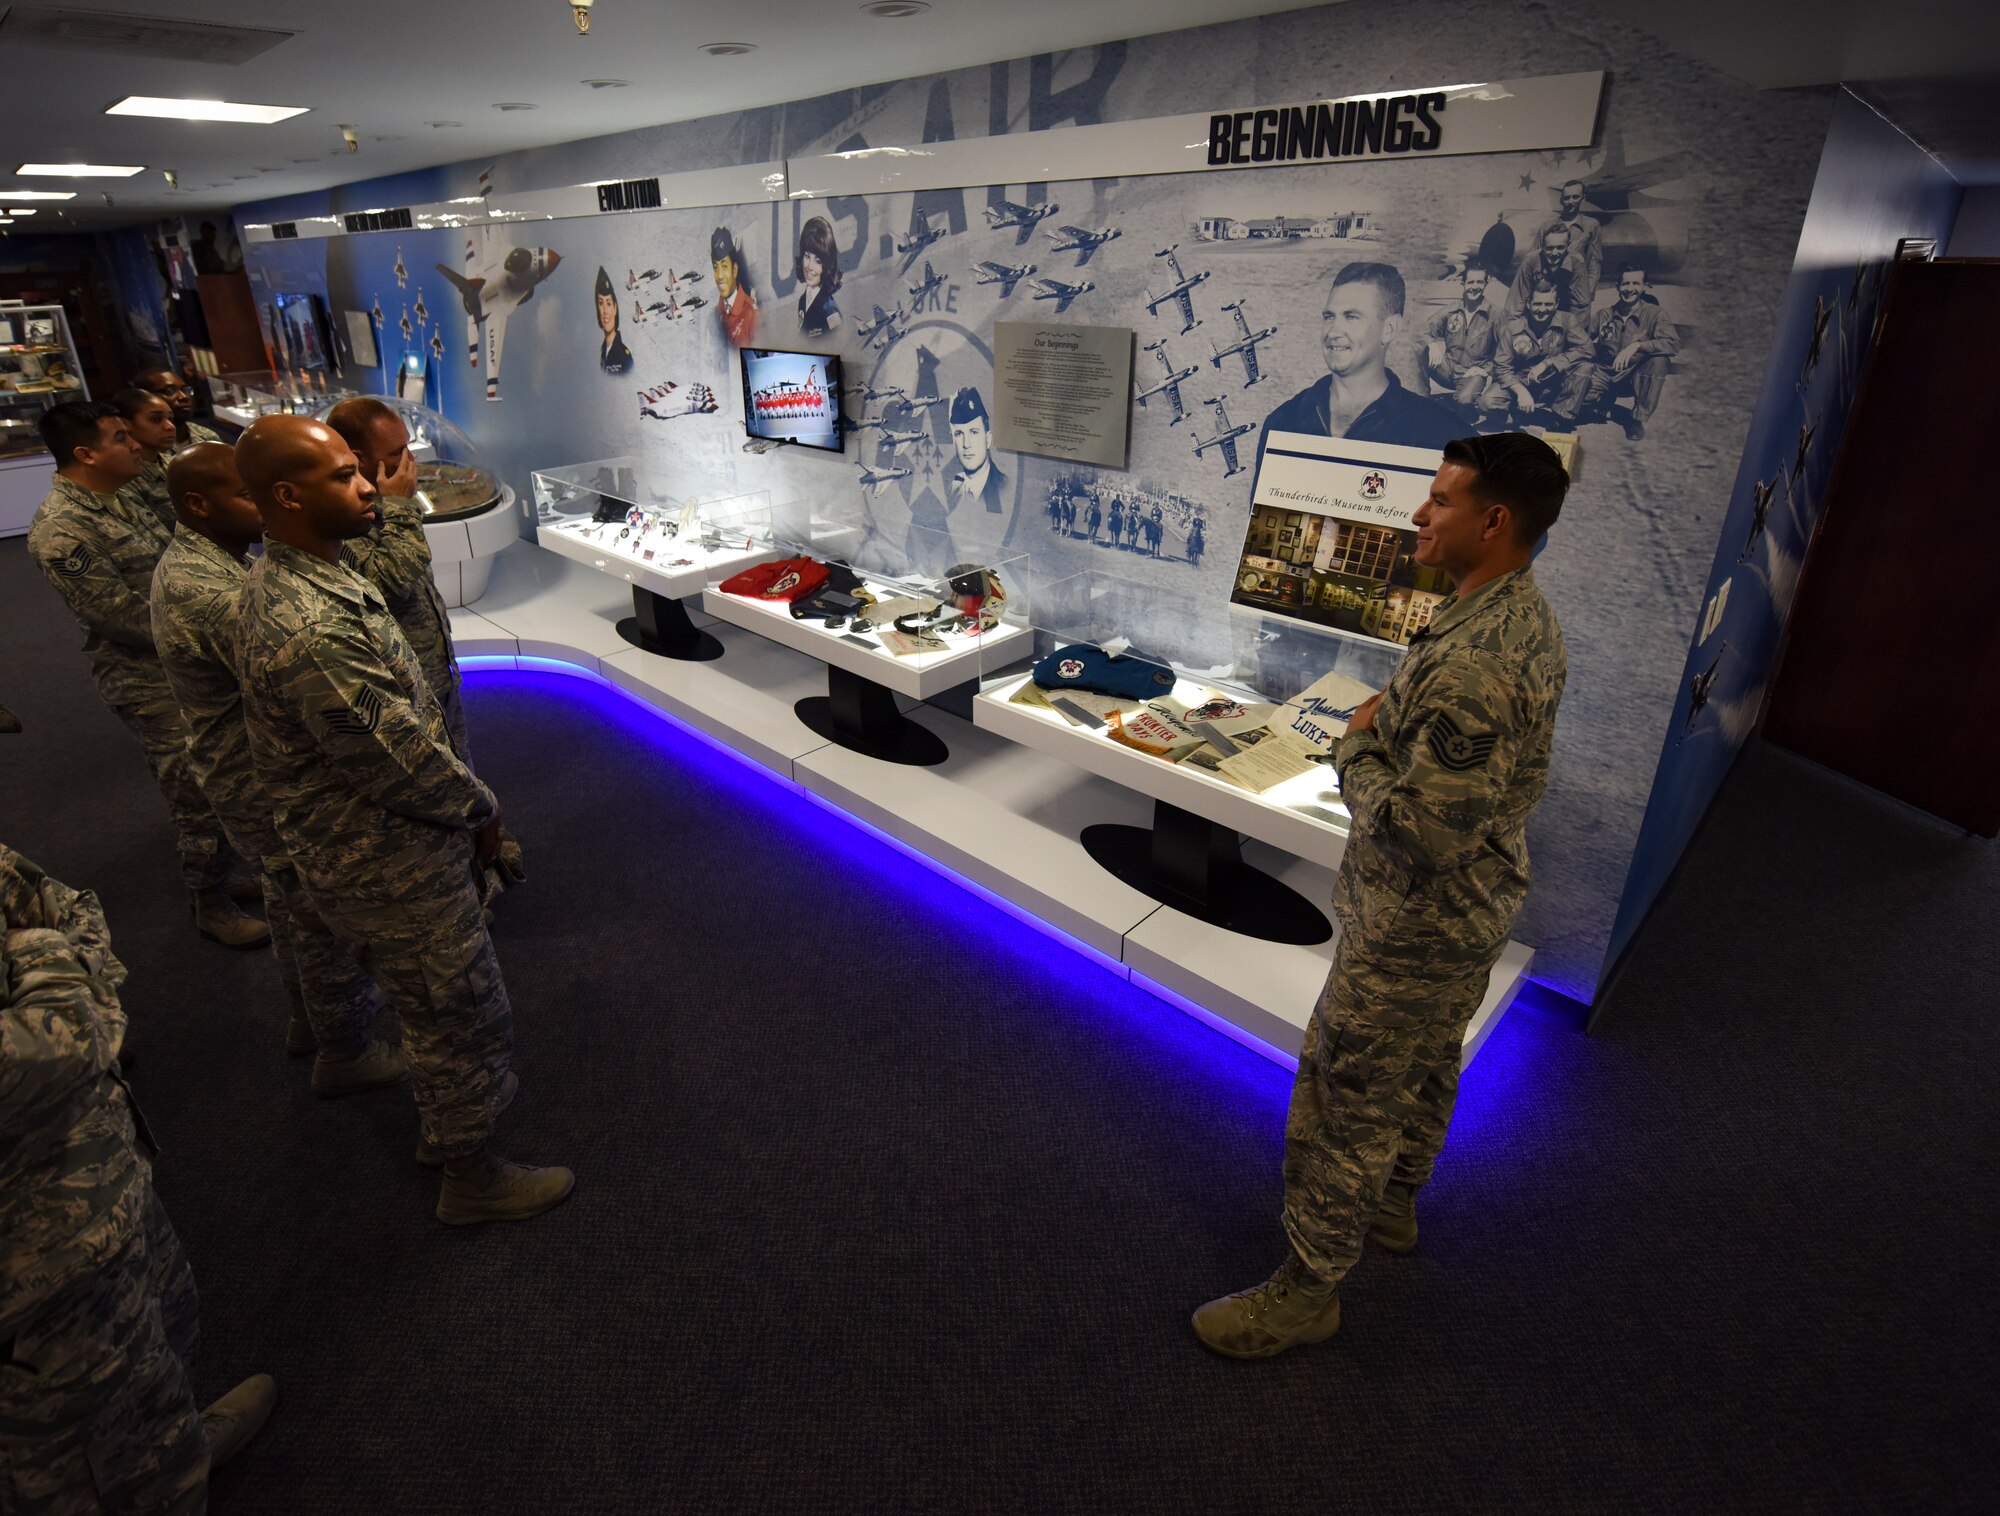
359, 718
72, 565
1455, 751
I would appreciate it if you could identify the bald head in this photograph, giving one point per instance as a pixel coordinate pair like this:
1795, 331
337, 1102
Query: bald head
209, 497
306, 482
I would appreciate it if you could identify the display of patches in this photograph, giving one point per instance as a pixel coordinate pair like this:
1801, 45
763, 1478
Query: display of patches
495, 282
1119, 514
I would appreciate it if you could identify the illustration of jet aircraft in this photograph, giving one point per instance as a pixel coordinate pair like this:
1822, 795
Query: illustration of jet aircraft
1007, 214
881, 331
1062, 294
1224, 438
1081, 241
1003, 274
915, 243
893, 440
422, 311
874, 479
1244, 346
402, 274
1170, 385
1182, 289
494, 284
923, 287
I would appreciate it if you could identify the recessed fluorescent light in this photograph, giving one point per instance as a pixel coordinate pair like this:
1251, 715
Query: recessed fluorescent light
19, 211
204, 110
21, 194
81, 170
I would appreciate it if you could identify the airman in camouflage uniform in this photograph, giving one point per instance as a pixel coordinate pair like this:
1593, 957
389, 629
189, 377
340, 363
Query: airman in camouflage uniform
150, 420
1440, 773
382, 820
196, 588
98, 1312
179, 394
98, 547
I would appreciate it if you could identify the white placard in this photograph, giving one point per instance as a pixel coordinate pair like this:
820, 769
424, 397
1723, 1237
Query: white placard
1503, 116
1062, 391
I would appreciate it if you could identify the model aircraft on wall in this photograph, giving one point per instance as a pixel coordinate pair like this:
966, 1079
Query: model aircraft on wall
1062, 294
1245, 346
1170, 385
881, 331
1025, 217
1081, 241
919, 239
1181, 290
494, 284
1224, 438
1003, 274
402, 274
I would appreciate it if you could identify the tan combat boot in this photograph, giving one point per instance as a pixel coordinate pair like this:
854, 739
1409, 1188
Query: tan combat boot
299, 1038
1395, 1228
376, 1065
220, 919
237, 1417
1292, 1306
486, 1187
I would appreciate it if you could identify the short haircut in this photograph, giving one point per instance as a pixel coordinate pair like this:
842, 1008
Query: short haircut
1556, 229
1541, 283
1568, 182
129, 402
1631, 268
816, 237
1517, 470
72, 425
1473, 266
1383, 276
354, 419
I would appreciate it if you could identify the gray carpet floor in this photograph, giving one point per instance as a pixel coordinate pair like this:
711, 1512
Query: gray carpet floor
884, 1203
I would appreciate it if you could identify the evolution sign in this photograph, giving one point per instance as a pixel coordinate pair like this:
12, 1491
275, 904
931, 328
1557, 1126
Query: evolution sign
1504, 116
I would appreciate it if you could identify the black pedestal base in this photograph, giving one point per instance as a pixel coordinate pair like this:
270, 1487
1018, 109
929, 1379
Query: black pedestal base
861, 716
660, 625
1192, 864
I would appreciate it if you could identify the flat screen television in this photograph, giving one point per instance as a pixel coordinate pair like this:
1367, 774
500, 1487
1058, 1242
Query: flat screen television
792, 397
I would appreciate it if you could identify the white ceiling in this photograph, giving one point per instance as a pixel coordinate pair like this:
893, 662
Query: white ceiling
392, 66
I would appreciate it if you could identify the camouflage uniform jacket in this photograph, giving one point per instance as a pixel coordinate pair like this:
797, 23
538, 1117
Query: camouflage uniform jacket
72, 1183
1441, 789
196, 591
1519, 347
1467, 337
199, 433
348, 740
396, 557
1614, 328
150, 489
99, 551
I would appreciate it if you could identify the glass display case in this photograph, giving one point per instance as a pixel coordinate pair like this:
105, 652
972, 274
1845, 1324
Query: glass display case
241, 398
38, 368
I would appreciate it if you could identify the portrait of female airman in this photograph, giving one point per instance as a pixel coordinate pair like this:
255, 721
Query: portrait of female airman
613, 356
818, 271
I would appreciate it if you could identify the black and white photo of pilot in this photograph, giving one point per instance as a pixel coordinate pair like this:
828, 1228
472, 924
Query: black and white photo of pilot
972, 435
817, 268
1633, 345
612, 354
1360, 397
1458, 343
1554, 262
1541, 365
1586, 233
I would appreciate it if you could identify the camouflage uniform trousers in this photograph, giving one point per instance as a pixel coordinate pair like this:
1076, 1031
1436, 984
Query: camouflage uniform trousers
431, 956
97, 1412
146, 705
324, 977
1378, 1075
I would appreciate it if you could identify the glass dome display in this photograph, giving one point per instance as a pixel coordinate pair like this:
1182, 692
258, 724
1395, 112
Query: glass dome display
453, 479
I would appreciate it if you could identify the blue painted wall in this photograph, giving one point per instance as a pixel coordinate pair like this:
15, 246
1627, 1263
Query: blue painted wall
1874, 187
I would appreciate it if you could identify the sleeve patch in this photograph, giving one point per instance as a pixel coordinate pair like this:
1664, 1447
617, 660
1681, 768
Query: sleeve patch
72, 565
1456, 751
361, 717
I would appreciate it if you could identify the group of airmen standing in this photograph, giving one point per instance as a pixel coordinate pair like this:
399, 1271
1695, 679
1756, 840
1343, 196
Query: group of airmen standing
1549, 353
300, 711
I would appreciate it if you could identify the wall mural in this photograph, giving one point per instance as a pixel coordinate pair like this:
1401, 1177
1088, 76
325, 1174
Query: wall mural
1621, 293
